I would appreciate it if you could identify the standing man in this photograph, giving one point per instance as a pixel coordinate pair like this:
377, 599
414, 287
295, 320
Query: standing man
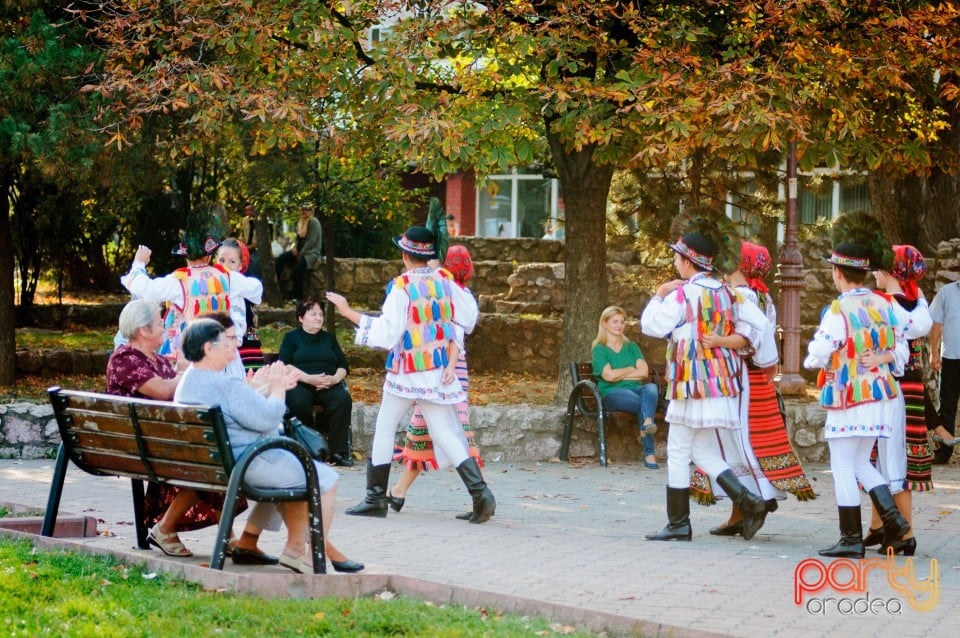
945, 311
305, 253
419, 327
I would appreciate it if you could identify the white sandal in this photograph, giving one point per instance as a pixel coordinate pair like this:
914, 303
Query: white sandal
169, 544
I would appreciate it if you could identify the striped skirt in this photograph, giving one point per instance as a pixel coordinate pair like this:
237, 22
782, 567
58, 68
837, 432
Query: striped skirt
771, 446
919, 456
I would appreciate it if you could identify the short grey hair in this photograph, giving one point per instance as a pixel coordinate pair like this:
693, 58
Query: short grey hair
137, 314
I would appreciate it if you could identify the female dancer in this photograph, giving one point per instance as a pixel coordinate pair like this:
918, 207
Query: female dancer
905, 459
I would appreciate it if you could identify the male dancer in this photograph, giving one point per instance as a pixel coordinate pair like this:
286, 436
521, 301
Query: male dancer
418, 326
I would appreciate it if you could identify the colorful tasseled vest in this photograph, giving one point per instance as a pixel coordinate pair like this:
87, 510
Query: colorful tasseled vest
844, 383
429, 322
205, 289
692, 371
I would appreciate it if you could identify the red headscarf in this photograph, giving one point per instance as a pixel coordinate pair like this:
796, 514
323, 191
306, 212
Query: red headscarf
459, 264
909, 267
755, 265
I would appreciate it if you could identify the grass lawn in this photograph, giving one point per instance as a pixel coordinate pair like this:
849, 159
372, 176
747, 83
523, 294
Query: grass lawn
60, 593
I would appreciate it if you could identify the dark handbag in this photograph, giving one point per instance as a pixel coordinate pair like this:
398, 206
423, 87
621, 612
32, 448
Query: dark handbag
315, 443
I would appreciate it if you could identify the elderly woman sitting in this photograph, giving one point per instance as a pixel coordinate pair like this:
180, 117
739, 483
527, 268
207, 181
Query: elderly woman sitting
249, 417
136, 370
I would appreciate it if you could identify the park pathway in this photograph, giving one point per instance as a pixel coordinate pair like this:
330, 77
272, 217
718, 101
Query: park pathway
567, 542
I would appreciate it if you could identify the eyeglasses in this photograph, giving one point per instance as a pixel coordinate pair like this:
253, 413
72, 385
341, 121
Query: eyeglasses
228, 339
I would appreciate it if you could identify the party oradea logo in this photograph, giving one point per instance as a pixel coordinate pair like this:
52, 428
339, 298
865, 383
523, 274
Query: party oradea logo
866, 586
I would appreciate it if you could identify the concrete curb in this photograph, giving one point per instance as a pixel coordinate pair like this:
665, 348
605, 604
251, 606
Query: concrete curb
278, 585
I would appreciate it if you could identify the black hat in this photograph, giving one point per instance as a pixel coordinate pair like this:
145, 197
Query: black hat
418, 242
850, 255
696, 247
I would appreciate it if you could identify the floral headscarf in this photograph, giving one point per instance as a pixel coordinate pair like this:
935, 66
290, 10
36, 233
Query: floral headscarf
755, 264
459, 264
909, 267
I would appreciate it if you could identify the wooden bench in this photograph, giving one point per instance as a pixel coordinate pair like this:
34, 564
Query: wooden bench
173, 444
585, 399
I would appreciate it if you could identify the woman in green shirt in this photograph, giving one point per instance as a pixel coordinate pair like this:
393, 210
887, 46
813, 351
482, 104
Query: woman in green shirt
623, 378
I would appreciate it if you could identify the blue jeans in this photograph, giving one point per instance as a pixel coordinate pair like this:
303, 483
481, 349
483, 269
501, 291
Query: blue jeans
641, 401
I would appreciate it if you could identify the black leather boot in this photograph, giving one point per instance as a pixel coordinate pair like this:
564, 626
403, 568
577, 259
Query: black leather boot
894, 525
753, 507
375, 503
850, 544
484, 505
678, 517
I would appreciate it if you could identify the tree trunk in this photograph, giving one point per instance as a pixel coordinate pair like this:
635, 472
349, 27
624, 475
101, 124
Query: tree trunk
329, 271
585, 186
8, 325
268, 273
920, 210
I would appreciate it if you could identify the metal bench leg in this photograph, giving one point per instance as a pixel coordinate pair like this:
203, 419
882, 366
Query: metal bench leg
139, 514
602, 439
56, 491
567, 433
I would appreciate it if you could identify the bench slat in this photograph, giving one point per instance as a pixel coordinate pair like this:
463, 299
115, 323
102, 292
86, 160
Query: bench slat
155, 449
166, 471
107, 423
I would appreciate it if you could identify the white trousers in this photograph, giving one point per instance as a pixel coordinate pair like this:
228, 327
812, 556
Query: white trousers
850, 462
440, 418
685, 444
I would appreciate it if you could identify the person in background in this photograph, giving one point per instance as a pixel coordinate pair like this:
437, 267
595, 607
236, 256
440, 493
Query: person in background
317, 356
305, 253
198, 288
623, 378
250, 416
248, 235
945, 310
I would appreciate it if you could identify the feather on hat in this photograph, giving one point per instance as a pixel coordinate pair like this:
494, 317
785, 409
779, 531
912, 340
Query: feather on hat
202, 234
859, 243
437, 224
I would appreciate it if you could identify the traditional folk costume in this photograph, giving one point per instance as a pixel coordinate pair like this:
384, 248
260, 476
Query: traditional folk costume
242, 313
860, 402
418, 452
703, 384
193, 290
759, 453
419, 320
912, 471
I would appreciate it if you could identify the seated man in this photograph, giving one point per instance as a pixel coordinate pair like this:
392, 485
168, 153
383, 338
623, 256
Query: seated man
323, 367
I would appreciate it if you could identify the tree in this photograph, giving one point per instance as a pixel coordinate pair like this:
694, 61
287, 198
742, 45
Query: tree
44, 143
479, 85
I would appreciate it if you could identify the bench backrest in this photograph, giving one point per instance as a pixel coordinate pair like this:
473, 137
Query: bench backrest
158, 441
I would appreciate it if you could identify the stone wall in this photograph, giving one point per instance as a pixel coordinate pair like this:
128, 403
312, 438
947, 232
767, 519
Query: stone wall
520, 433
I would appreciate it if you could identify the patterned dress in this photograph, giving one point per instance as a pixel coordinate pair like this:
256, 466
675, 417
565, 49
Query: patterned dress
764, 444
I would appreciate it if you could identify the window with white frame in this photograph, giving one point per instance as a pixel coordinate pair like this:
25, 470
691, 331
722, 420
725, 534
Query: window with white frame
519, 205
